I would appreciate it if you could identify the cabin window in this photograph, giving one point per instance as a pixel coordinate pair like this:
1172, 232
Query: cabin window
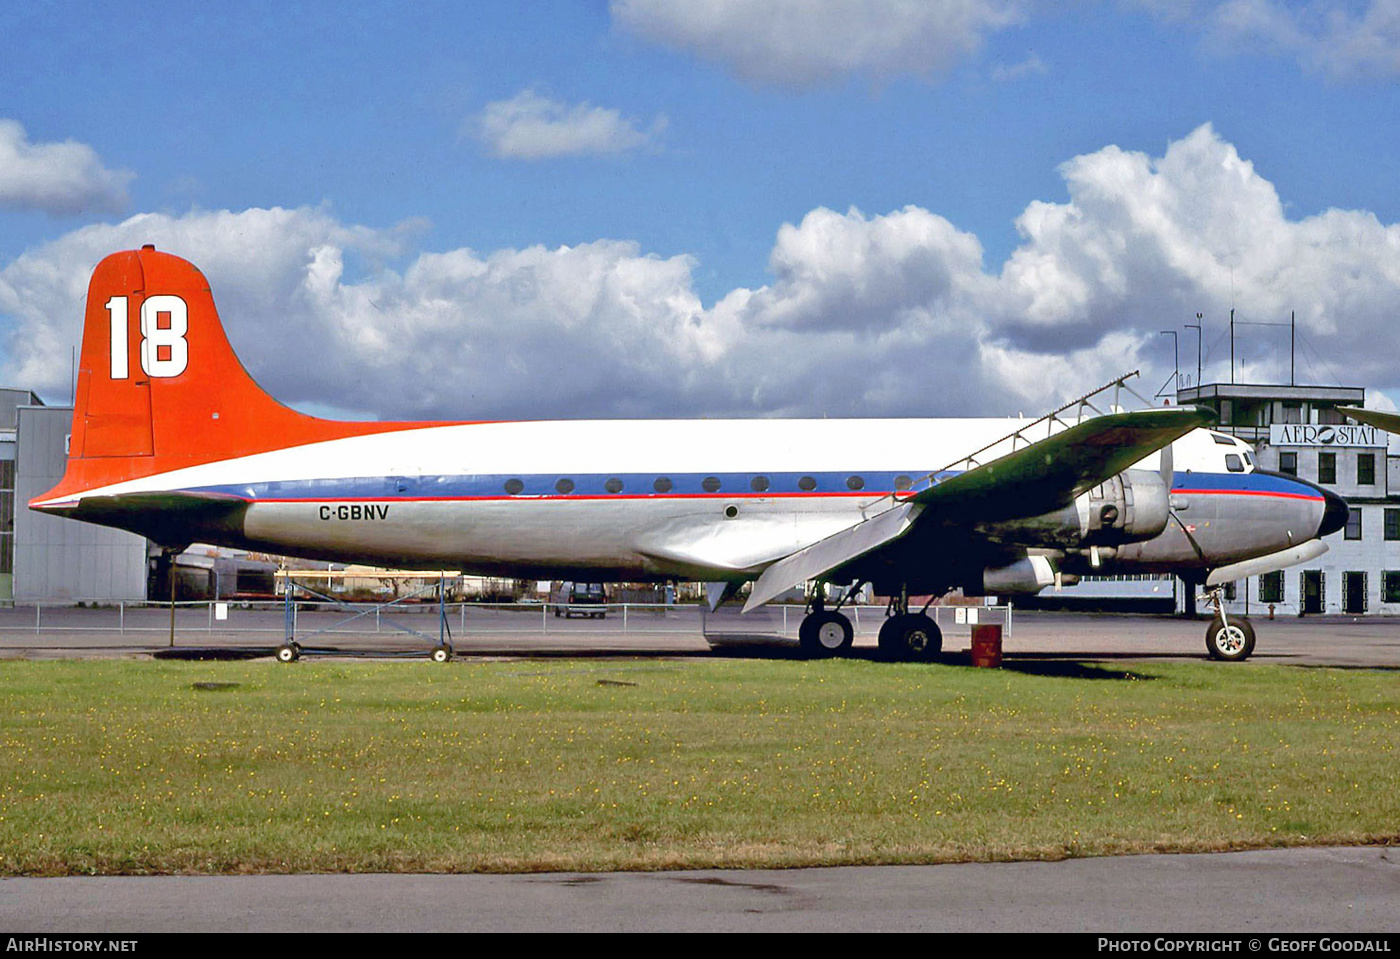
514, 486
564, 487
855, 482
1233, 463
759, 484
807, 484
710, 484
662, 484
613, 485
903, 482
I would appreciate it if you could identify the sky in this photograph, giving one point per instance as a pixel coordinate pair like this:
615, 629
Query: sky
674, 208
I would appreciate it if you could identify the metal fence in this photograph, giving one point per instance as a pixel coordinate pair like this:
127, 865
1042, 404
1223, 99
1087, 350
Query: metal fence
278, 619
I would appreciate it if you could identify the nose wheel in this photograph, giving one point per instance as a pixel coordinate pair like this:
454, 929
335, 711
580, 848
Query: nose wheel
1230, 640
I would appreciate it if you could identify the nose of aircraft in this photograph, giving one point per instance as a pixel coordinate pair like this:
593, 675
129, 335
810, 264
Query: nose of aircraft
1334, 514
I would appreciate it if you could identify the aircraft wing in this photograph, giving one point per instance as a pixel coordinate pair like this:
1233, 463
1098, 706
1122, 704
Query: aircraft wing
1034, 479
1052, 472
1390, 422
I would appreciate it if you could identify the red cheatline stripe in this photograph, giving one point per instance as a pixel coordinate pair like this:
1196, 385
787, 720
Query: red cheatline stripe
1247, 492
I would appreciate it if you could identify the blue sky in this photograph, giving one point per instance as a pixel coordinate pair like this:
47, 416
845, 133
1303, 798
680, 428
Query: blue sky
671, 145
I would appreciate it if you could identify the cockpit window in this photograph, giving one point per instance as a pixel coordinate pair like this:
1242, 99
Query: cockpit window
1248, 460
1233, 463
1222, 440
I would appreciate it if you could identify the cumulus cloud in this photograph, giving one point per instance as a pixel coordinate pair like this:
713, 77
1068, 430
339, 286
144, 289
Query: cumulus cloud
804, 42
60, 179
866, 315
530, 126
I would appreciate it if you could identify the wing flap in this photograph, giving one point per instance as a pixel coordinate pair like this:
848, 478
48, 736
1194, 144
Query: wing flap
836, 550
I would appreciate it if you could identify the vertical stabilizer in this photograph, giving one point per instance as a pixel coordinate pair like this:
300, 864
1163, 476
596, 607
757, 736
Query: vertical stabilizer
159, 386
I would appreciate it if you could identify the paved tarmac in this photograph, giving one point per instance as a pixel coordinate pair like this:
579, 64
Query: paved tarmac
1338, 890
1343, 641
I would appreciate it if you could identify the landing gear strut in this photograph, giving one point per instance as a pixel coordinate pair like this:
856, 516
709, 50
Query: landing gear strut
909, 637
1228, 638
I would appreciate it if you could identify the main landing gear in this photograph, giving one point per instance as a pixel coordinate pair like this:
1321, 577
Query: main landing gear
904, 636
909, 637
825, 632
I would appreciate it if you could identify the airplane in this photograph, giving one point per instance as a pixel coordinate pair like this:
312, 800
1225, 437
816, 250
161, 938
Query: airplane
1390, 422
172, 439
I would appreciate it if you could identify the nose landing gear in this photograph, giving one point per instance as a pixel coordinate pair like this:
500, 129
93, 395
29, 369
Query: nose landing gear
1230, 639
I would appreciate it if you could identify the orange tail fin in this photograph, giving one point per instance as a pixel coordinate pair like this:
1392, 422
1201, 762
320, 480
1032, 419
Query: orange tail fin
159, 386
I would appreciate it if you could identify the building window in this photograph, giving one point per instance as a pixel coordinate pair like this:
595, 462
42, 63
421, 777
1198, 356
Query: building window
1292, 413
1227, 411
1354, 523
7, 517
1288, 463
1390, 586
1230, 592
1392, 524
1327, 468
1271, 587
1366, 469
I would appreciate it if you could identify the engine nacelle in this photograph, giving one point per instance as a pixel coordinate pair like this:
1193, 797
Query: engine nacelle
1028, 575
1128, 508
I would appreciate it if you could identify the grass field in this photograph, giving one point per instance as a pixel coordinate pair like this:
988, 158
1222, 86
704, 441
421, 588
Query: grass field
128, 767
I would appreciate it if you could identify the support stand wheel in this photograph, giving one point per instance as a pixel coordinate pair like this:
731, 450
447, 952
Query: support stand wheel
1230, 640
824, 634
442, 654
288, 653
911, 637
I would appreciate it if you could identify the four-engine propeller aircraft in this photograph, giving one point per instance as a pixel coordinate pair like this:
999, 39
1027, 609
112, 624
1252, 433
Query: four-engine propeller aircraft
172, 439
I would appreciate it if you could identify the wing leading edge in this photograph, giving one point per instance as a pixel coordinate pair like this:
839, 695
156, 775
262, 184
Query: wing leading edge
1032, 480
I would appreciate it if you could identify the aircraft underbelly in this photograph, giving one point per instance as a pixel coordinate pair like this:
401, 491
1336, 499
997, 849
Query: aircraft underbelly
646, 538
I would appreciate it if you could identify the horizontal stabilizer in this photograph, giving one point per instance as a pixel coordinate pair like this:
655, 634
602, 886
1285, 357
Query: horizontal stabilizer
836, 550
1390, 422
1271, 563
